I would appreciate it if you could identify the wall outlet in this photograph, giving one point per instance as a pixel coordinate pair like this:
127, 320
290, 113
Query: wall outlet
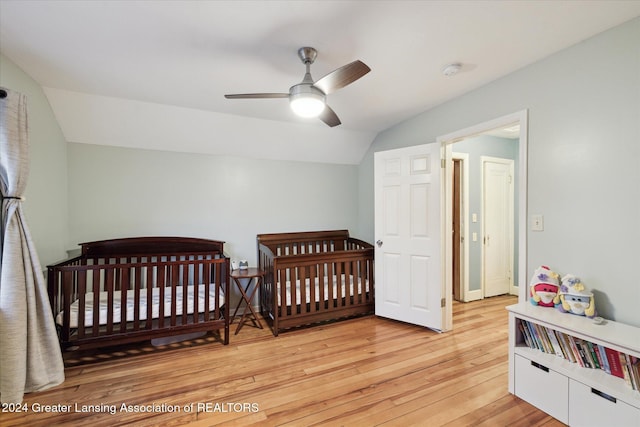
537, 222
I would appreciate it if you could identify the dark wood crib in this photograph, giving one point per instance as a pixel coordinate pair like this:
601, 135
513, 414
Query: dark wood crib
312, 277
141, 288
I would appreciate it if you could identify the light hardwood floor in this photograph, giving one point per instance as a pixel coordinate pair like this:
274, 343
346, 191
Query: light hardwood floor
360, 372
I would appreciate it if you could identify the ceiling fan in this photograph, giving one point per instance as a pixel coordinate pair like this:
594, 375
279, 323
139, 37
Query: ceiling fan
308, 98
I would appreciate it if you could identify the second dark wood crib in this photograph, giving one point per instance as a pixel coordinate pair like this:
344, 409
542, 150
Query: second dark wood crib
315, 276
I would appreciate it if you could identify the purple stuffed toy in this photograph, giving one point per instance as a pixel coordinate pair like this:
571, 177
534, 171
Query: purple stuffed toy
575, 298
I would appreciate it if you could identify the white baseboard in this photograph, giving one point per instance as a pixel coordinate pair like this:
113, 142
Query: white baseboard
473, 295
477, 294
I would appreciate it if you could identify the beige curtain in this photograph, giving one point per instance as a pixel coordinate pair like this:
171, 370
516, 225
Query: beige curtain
30, 356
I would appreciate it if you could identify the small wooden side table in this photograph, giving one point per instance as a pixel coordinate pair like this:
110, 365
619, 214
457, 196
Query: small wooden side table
251, 274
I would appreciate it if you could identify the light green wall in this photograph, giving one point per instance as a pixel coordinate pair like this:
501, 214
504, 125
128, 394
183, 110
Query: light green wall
583, 160
46, 194
122, 192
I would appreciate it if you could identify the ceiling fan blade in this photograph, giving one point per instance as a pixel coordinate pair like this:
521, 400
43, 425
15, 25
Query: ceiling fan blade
329, 117
342, 76
256, 95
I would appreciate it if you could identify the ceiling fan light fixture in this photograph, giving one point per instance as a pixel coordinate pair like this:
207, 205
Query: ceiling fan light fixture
306, 100
307, 106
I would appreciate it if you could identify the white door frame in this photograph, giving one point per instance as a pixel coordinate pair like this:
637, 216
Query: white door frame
520, 117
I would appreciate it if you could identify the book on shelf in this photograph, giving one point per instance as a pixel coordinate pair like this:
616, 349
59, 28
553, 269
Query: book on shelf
568, 350
534, 336
625, 369
605, 361
634, 368
542, 333
630, 370
593, 355
582, 352
576, 352
555, 344
526, 334
613, 356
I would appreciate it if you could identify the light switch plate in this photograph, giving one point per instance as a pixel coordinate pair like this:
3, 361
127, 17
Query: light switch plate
537, 222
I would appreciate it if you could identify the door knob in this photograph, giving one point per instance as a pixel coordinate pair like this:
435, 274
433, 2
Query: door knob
379, 243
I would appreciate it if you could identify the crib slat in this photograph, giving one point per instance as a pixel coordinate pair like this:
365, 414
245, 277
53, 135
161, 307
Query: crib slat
172, 284
67, 282
222, 285
81, 281
124, 287
370, 280
211, 284
95, 288
313, 279
110, 289
214, 281
150, 281
161, 293
352, 286
365, 281
196, 290
137, 280
358, 282
184, 269
206, 279
302, 286
282, 304
220, 277
218, 280
321, 278
339, 295
347, 284
358, 297
293, 289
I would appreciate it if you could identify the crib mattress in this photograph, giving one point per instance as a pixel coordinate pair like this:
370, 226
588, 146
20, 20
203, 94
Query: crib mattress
352, 282
142, 303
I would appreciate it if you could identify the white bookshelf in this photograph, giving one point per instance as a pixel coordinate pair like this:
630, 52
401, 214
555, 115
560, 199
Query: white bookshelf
574, 395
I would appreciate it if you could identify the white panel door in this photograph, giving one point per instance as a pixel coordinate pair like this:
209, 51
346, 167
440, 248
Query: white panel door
497, 177
408, 276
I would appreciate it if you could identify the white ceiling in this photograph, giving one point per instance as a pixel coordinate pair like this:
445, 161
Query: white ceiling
168, 64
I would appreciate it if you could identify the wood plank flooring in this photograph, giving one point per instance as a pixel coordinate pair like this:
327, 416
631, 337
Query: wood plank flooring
368, 371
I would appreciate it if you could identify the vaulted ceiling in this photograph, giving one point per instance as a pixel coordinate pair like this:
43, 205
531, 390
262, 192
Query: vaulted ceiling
152, 74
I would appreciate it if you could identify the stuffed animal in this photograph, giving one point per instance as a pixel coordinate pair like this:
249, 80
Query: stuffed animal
544, 287
575, 298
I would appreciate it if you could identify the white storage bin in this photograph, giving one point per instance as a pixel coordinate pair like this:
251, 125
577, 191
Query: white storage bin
590, 407
542, 387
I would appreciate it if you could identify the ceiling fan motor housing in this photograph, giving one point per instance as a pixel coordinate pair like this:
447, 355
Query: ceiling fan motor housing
306, 89
307, 55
